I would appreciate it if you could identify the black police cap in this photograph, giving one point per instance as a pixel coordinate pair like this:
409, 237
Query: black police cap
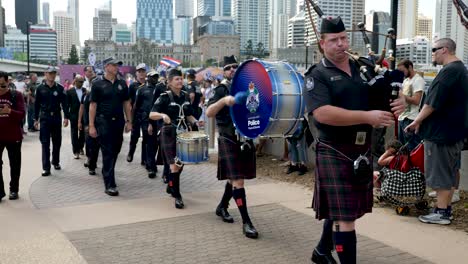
332, 25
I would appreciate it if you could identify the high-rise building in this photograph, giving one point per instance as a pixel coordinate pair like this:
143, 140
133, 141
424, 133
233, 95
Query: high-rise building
102, 24
45, 13
251, 18
16, 40
281, 12
296, 30
121, 33
378, 22
74, 11
448, 25
64, 26
2, 25
26, 11
43, 46
155, 20
183, 8
424, 26
407, 23
214, 8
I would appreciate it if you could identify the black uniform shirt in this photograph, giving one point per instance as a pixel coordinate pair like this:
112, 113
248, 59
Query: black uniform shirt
223, 117
109, 97
143, 103
162, 105
133, 89
50, 101
327, 85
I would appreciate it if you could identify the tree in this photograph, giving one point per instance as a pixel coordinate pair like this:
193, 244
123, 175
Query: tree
73, 59
260, 50
249, 49
85, 54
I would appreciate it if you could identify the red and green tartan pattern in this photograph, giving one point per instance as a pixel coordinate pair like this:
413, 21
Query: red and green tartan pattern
337, 196
234, 164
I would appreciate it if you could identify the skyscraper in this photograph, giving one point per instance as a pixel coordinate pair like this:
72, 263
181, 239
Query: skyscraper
448, 25
102, 24
155, 20
26, 11
407, 23
214, 8
74, 11
45, 13
64, 26
251, 19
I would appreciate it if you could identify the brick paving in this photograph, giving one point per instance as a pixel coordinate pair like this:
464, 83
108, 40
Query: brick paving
286, 236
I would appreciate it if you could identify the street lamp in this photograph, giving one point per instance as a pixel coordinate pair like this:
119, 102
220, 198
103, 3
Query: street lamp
28, 25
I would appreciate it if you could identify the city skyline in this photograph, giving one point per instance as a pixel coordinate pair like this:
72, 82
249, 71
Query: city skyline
122, 9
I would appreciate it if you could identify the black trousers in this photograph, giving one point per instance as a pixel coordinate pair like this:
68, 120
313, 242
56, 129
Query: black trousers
14, 155
150, 146
77, 137
110, 137
51, 127
135, 134
92, 150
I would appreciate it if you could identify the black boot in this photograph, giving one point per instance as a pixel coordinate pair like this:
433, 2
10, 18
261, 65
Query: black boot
248, 229
221, 210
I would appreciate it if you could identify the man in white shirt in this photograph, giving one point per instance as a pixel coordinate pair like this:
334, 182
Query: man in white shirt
413, 87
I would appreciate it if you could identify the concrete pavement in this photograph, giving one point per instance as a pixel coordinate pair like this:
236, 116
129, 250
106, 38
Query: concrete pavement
67, 218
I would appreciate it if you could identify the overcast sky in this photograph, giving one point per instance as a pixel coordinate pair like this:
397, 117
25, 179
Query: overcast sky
125, 11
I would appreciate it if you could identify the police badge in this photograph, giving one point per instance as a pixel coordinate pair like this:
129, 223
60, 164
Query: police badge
253, 101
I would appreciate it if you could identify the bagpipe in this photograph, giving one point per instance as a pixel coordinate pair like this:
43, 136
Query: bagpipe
385, 84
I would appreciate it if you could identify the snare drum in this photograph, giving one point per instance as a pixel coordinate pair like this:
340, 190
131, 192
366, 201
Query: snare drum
275, 104
192, 147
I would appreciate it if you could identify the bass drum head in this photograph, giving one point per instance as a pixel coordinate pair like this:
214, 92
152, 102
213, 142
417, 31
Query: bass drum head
252, 118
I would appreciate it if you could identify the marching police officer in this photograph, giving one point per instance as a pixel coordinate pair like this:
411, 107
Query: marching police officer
234, 165
132, 90
109, 99
50, 100
340, 101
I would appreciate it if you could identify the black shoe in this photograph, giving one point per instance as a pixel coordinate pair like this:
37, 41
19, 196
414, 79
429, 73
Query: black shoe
13, 196
92, 172
151, 174
179, 204
129, 157
45, 173
291, 169
112, 192
249, 230
57, 167
322, 259
224, 214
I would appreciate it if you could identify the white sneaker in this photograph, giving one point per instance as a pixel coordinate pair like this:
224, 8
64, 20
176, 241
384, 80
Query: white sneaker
456, 196
432, 194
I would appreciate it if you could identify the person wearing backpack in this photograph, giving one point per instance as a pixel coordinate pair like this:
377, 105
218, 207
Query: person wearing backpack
12, 112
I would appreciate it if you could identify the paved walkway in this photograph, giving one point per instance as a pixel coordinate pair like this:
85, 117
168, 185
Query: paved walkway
67, 218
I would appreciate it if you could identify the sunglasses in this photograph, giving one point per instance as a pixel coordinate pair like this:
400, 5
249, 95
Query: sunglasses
436, 49
228, 68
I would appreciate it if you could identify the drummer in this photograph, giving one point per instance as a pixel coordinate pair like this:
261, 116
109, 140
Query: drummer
167, 107
234, 164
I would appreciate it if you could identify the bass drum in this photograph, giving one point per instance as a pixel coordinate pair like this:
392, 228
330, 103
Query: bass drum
275, 100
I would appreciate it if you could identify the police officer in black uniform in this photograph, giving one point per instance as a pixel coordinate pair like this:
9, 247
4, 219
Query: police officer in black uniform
50, 100
167, 107
234, 164
341, 103
141, 109
132, 90
109, 99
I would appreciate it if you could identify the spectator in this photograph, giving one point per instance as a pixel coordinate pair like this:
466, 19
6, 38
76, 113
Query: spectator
12, 111
413, 87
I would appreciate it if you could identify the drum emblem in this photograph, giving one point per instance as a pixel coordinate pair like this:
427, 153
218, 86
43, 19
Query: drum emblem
253, 101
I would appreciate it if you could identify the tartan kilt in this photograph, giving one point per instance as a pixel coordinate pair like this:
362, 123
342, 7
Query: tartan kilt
168, 143
337, 194
233, 163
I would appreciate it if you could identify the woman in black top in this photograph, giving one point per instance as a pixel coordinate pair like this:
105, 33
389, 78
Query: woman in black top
167, 108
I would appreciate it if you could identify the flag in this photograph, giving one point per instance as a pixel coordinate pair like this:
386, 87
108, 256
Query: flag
170, 62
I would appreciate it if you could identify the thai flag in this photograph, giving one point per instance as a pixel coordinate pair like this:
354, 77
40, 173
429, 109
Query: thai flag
170, 62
